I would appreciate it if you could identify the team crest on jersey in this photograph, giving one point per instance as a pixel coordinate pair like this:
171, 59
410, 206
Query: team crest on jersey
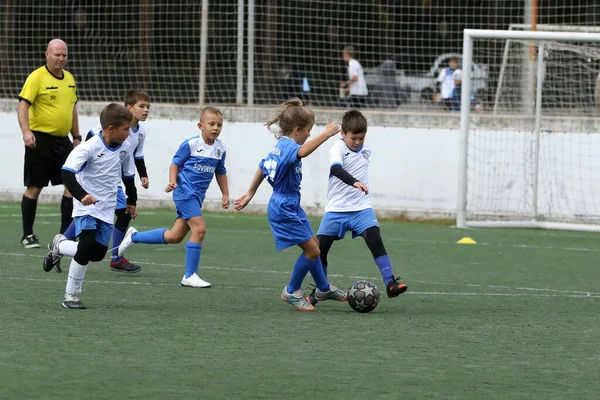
140, 136
218, 153
366, 154
122, 155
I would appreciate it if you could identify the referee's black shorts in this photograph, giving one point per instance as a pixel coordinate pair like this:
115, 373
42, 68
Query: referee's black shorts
43, 164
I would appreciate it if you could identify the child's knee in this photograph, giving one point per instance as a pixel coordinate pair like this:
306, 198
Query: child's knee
98, 252
85, 248
312, 253
83, 255
123, 220
199, 231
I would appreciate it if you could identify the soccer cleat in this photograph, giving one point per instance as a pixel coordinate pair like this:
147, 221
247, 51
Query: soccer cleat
298, 299
332, 294
124, 265
394, 288
52, 259
311, 297
194, 281
73, 300
30, 242
126, 243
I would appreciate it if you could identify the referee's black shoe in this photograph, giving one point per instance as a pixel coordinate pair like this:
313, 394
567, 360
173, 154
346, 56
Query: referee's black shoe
30, 242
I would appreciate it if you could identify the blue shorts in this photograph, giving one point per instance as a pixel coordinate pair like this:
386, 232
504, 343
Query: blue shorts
337, 223
188, 208
289, 223
103, 229
121, 199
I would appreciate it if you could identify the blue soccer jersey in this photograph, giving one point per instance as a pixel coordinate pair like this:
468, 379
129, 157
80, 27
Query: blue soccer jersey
198, 163
282, 168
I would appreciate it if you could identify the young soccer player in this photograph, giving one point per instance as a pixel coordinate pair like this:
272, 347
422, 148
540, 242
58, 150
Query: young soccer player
138, 102
194, 165
290, 226
348, 205
92, 173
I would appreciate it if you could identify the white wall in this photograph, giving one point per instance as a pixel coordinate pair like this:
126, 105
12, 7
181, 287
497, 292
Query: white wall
412, 170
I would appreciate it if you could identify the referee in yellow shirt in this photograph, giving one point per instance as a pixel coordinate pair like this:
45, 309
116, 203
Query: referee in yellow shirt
47, 113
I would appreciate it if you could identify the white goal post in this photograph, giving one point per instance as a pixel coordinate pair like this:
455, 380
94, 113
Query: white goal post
564, 157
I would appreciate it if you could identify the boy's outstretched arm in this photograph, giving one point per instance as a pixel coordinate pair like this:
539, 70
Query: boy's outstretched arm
307, 148
244, 199
222, 182
339, 172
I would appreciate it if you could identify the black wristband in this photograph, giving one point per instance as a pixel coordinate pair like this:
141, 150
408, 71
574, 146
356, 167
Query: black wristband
77, 138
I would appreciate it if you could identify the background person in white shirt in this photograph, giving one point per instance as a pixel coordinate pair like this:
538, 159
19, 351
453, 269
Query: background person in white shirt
457, 93
445, 84
355, 87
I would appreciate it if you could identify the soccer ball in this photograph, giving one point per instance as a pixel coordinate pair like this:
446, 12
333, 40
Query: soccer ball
363, 296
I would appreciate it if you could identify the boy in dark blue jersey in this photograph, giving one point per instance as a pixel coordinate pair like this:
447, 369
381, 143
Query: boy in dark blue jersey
194, 165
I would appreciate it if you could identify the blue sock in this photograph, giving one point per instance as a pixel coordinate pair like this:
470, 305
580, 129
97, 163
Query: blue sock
318, 273
117, 238
192, 258
385, 267
70, 232
301, 268
155, 236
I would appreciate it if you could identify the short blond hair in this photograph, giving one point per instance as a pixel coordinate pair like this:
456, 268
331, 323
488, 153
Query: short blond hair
210, 110
350, 50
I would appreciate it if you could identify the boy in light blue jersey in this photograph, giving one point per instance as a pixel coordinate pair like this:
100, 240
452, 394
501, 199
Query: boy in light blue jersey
138, 102
194, 165
348, 204
282, 168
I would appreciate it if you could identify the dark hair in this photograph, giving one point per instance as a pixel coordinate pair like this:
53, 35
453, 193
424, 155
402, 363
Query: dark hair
353, 121
114, 114
350, 50
133, 96
210, 110
294, 114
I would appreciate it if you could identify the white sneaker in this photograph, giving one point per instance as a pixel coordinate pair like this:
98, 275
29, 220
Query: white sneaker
194, 281
126, 243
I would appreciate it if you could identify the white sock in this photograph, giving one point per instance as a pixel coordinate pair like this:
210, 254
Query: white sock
75, 280
68, 248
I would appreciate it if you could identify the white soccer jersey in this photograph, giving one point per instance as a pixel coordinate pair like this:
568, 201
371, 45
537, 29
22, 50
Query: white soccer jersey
358, 88
446, 78
340, 196
136, 139
98, 170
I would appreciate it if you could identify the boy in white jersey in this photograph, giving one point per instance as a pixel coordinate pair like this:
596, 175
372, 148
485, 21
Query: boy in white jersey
92, 173
138, 102
348, 205
194, 165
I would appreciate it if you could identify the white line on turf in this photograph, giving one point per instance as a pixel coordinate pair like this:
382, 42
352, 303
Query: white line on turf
487, 294
557, 292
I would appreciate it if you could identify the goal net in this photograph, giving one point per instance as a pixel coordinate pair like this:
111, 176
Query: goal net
533, 159
230, 51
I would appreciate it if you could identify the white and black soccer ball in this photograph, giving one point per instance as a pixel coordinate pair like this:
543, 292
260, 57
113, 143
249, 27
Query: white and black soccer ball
363, 296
